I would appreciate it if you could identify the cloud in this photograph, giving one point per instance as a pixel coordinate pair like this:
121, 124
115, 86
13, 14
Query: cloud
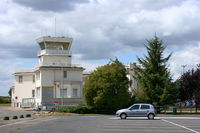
100, 28
51, 5
189, 56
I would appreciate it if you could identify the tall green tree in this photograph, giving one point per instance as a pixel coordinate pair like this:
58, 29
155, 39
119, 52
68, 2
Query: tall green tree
107, 87
153, 75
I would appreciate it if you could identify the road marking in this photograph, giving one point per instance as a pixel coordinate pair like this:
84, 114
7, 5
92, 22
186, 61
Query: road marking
158, 118
187, 118
42, 119
144, 130
180, 126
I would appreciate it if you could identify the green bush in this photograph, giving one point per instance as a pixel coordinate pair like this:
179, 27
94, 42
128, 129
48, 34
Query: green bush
81, 109
4, 100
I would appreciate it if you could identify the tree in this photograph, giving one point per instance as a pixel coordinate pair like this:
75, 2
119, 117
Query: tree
107, 87
154, 77
190, 86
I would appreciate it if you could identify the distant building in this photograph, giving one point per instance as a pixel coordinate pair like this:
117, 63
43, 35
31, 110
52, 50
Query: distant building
54, 80
131, 74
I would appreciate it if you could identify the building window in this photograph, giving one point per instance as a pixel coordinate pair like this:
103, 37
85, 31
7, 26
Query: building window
33, 93
75, 92
65, 74
20, 79
38, 75
38, 91
33, 78
13, 90
63, 93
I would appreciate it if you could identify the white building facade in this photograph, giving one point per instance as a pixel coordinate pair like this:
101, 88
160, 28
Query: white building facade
131, 74
54, 80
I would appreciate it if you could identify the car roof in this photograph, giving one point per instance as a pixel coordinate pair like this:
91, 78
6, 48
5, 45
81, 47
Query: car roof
142, 104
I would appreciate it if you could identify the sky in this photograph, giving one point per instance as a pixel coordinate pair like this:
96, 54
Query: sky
101, 29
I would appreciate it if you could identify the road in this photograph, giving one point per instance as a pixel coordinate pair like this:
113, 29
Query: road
103, 124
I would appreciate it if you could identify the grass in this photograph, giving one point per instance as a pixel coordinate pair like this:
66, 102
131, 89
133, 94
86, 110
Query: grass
5, 104
184, 111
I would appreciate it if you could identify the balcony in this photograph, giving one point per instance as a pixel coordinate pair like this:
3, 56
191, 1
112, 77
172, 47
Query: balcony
54, 52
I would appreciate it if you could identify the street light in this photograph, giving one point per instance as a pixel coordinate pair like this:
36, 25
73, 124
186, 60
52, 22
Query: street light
183, 66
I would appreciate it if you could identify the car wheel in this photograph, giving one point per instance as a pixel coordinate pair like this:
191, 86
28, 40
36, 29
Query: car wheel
151, 116
123, 116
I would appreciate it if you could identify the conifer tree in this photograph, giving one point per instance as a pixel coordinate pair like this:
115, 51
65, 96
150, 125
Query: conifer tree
153, 75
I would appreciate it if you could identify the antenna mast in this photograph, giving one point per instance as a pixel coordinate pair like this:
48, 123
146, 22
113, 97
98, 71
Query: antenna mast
55, 26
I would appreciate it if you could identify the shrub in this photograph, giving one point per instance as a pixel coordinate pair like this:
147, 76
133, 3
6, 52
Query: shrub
81, 109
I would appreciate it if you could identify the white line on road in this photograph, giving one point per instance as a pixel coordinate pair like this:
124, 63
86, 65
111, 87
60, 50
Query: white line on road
180, 126
188, 118
27, 121
158, 118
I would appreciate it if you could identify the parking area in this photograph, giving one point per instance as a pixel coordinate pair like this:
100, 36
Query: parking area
160, 124
105, 124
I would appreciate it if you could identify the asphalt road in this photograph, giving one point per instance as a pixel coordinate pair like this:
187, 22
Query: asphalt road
103, 124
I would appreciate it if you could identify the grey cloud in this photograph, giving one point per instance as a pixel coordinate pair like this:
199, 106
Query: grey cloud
20, 51
51, 5
108, 30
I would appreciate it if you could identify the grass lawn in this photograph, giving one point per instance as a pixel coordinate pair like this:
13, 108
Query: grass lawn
5, 104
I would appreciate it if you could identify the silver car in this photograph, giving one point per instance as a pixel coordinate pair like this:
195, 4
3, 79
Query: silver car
137, 110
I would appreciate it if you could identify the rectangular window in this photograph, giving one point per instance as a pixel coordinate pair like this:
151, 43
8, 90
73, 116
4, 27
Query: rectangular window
33, 78
145, 107
33, 93
13, 90
63, 93
135, 107
75, 92
65, 74
38, 75
38, 91
20, 79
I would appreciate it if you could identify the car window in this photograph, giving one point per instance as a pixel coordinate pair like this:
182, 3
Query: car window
135, 107
145, 107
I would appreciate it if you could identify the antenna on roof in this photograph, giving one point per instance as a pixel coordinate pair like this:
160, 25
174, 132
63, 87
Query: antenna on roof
55, 26
67, 33
41, 32
45, 32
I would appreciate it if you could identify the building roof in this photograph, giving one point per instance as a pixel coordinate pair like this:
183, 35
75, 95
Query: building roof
59, 67
24, 71
54, 39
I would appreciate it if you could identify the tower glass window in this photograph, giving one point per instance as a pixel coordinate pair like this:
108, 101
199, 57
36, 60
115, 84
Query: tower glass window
20, 79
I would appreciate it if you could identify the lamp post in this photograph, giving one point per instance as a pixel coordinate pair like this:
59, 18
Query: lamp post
183, 66
62, 87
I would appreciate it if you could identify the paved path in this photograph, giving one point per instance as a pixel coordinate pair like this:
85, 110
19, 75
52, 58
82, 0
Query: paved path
104, 124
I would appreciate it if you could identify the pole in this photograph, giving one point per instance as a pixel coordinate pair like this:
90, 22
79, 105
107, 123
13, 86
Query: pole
183, 66
55, 26
62, 86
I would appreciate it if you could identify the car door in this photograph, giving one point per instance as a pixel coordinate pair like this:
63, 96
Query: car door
144, 109
134, 110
